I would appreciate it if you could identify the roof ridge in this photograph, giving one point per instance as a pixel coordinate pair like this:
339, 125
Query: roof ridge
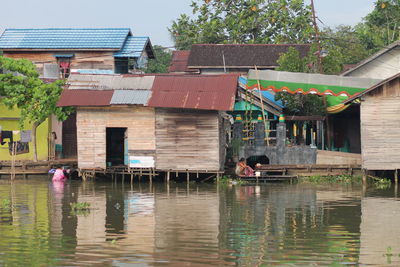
66, 28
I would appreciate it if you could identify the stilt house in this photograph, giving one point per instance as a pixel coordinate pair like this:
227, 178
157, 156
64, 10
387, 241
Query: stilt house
191, 125
113, 121
166, 122
380, 125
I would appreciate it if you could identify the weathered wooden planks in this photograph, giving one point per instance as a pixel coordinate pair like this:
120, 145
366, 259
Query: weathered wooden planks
187, 139
103, 60
91, 128
380, 128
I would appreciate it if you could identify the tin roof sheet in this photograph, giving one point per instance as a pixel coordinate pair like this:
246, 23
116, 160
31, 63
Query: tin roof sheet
133, 46
64, 38
130, 97
85, 98
179, 62
213, 92
108, 82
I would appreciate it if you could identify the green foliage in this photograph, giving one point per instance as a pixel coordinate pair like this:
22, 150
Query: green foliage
243, 21
292, 61
80, 208
343, 45
381, 183
161, 61
299, 104
21, 87
228, 180
380, 27
331, 179
5, 204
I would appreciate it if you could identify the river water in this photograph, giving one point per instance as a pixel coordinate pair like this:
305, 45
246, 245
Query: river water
197, 225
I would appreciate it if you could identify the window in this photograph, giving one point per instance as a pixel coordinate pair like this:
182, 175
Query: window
64, 63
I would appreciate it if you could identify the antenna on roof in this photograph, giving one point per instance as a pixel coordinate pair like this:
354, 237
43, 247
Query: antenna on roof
223, 60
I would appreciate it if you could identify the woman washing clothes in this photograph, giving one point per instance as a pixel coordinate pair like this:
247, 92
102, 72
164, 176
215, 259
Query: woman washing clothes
242, 169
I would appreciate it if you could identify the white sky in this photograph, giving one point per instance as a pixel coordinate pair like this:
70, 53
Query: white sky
144, 17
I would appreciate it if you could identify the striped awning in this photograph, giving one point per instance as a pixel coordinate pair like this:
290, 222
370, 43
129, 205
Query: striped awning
337, 88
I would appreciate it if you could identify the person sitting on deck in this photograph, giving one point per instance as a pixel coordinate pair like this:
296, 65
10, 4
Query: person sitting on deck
242, 169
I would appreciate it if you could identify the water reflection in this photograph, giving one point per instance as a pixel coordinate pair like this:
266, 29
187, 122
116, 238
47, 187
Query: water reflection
380, 232
177, 225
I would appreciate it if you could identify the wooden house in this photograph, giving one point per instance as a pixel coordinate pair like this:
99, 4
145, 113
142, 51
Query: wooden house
380, 125
112, 119
191, 123
65, 50
381, 65
58, 52
165, 122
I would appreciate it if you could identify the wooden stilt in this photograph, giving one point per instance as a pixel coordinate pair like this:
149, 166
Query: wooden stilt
168, 176
131, 178
364, 176
396, 178
187, 176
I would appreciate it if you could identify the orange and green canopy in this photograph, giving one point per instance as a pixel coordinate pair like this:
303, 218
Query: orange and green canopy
337, 88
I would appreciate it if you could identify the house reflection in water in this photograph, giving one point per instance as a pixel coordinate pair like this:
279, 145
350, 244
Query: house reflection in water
380, 231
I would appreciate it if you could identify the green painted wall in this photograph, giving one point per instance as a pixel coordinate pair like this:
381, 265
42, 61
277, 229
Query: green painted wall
13, 125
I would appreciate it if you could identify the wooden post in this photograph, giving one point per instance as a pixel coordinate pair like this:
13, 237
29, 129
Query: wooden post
168, 176
187, 176
364, 176
396, 179
262, 106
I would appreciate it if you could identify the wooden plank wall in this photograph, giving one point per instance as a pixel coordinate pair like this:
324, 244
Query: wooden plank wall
81, 60
187, 139
380, 128
91, 131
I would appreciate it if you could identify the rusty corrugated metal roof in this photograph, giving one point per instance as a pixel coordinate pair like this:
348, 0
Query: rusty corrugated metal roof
85, 98
179, 62
210, 92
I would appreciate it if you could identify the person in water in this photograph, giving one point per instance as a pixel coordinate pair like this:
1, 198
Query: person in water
242, 169
59, 175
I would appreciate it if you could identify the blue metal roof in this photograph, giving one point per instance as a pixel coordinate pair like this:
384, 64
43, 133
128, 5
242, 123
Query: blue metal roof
243, 81
133, 46
64, 38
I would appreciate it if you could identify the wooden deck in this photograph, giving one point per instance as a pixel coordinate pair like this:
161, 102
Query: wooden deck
270, 173
25, 168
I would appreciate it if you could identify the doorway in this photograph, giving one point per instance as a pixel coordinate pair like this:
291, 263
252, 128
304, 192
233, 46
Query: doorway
253, 160
115, 146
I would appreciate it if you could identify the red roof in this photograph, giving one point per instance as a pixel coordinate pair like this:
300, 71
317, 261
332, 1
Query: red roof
212, 92
85, 98
179, 62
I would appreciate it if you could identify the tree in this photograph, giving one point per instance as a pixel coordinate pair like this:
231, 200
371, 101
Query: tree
299, 104
345, 41
21, 87
380, 27
161, 61
243, 21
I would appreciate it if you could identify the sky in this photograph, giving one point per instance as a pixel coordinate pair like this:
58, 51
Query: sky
144, 17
